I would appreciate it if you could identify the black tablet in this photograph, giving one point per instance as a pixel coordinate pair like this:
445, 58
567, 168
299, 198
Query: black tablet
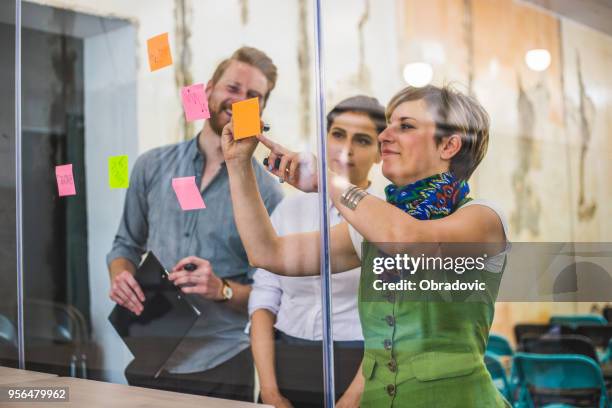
165, 320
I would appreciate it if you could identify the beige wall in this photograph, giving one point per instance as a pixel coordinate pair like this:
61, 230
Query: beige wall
540, 121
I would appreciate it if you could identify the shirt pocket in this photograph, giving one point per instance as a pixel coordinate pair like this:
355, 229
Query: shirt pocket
438, 365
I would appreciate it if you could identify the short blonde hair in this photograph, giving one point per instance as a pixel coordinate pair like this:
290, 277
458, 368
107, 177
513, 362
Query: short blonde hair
254, 57
454, 113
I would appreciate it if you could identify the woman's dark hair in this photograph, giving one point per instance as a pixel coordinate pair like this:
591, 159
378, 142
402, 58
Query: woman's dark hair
360, 104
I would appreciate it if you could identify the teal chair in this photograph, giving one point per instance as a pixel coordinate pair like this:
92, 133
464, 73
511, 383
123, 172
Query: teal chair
574, 321
499, 345
8, 334
606, 355
559, 380
498, 374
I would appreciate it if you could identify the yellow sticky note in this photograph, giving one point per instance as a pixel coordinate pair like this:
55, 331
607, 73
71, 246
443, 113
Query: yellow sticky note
245, 115
118, 172
159, 52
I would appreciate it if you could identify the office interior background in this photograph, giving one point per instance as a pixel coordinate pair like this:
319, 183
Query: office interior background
540, 68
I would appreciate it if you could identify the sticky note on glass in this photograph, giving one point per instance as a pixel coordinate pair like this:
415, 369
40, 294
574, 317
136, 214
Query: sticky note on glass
65, 181
195, 103
118, 172
187, 192
159, 52
245, 115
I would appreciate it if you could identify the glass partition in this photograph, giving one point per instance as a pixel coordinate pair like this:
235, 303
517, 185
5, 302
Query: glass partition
8, 269
128, 187
120, 90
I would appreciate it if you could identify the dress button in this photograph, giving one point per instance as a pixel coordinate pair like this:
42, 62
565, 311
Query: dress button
391, 389
392, 365
388, 344
186, 234
390, 320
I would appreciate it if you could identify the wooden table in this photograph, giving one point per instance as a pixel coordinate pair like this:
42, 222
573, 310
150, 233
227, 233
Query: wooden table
89, 393
15, 376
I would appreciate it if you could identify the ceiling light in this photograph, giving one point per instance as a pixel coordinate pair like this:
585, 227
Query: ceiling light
538, 59
418, 74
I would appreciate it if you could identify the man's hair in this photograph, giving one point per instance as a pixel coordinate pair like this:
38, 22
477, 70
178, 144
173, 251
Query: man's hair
360, 104
454, 113
254, 57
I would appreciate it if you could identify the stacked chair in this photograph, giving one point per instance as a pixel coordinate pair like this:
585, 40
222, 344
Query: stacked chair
498, 374
565, 363
499, 347
574, 321
558, 380
558, 364
8, 342
56, 338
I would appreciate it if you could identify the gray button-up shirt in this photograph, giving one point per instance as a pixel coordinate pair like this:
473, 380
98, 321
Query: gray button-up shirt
153, 220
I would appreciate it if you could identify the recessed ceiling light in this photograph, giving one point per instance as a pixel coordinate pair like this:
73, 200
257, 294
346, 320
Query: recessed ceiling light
538, 59
418, 74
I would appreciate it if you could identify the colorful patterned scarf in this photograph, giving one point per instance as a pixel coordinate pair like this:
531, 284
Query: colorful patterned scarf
430, 198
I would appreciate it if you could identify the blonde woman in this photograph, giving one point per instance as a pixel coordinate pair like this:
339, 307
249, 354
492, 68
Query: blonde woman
417, 354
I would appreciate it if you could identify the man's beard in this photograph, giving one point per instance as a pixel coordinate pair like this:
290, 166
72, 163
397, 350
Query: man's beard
216, 123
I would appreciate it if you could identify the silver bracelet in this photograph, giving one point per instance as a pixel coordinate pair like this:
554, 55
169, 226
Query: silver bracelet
352, 196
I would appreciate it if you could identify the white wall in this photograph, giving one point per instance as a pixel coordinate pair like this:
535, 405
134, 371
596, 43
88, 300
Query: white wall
110, 129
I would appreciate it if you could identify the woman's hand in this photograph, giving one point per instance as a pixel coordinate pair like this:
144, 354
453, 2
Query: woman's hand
352, 396
236, 150
296, 168
275, 398
349, 400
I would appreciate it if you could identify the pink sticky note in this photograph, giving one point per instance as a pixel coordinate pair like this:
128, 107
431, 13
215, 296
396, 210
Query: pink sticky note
187, 193
65, 181
195, 103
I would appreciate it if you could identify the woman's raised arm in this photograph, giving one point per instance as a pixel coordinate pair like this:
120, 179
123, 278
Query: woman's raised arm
379, 221
291, 255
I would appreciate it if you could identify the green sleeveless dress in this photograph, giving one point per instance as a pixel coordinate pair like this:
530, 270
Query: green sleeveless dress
426, 353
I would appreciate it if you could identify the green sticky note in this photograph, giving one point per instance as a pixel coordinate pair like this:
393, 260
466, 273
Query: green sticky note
118, 172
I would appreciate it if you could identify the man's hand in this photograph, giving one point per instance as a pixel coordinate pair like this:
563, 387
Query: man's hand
126, 292
297, 168
236, 150
202, 280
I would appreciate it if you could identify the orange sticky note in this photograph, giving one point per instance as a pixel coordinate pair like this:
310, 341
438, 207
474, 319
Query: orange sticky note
245, 115
159, 52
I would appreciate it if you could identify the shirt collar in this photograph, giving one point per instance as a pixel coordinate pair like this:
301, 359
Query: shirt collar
193, 149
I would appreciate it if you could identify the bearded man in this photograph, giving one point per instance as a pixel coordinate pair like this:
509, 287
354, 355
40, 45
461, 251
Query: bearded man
214, 359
